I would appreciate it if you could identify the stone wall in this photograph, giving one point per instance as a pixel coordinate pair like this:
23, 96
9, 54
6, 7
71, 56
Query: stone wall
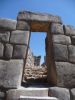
13, 46
60, 54
64, 54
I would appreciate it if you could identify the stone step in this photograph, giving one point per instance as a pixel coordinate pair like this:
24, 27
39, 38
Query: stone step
36, 98
14, 94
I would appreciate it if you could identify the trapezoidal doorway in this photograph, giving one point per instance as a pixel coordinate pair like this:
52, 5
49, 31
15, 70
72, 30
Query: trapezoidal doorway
32, 72
35, 22
35, 68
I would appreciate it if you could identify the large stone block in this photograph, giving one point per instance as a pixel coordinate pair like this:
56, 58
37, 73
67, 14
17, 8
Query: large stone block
69, 30
23, 25
14, 94
65, 74
71, 49
19, 51
62, 39
25, 15
60, 93
7, 24
1, 49
4, 36
11, 73
19, 37
8, 51
73, 94
57, 28
37, 98
73, 40
60, 52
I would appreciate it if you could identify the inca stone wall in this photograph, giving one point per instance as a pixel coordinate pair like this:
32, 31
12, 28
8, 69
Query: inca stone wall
64, 54
60, 55
13, 46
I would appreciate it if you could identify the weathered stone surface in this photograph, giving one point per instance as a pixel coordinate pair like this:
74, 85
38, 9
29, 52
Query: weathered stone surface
60, 93
15, 94
4, 36
37, 98
11, 73
73, 40
8, 51
60, 52
73, 94
57, 28
69, 30
19, 37
2, 94
62, 39
25, 15
1, 49
65, 74
7, 24
23, 25
19, 51
71, 49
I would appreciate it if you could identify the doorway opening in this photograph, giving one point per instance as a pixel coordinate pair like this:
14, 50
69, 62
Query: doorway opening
35, 68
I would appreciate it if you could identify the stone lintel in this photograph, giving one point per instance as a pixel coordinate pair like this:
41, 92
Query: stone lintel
30, 16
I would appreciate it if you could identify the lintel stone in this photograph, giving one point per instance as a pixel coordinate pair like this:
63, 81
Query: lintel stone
30, 16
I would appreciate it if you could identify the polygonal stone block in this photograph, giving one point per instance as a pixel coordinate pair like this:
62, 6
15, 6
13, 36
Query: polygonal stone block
71, 49
8, 51
73, 40
19, 51
11, 73
65, 74
7, 24
57, 28
19, 37
60, 52
60, 93
69, 30
62, 39
4, 36
23, 25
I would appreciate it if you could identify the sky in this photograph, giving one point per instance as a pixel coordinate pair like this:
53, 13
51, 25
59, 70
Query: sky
63, 8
